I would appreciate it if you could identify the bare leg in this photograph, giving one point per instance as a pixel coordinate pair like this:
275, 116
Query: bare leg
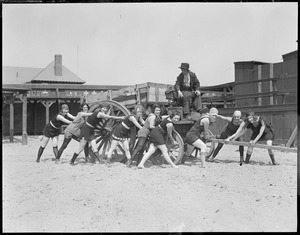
55, 144
95, 150
127, 152
113, 146
201, 145
164, 151
148, 154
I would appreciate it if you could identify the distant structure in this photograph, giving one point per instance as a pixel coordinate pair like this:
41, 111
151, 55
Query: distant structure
34, 95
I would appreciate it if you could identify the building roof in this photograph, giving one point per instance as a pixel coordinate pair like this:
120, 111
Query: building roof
25, 75
18, 75
290, 54
47, 75
251, 62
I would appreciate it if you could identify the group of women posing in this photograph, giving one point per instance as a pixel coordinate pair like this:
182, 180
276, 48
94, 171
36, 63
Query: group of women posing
156, 128
83, 125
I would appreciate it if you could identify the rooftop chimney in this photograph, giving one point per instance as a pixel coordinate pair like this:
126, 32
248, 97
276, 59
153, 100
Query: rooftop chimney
58, 65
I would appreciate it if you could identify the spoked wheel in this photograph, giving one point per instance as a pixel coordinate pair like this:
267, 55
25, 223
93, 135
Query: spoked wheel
104, 135
175, 152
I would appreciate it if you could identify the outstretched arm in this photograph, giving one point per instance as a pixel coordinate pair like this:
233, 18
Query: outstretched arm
70, 116
135, 122
84, 114
105, 116
164, 116
63, 119
261, 131
242, 129
229, 119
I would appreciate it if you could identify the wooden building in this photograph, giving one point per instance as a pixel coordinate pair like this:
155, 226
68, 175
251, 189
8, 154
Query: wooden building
42, 90
270, 90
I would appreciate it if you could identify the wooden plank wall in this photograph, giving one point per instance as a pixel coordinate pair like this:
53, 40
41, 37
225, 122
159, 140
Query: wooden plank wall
244, 72
36, 117
255, 71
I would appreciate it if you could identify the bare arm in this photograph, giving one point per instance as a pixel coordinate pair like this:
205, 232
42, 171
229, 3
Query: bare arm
205, 122
70, 116
261, 131
84, 114
242, 129
142, 120
63, 119
135, 122
169, 132
164, 116
105, 116
151, 119
229, 119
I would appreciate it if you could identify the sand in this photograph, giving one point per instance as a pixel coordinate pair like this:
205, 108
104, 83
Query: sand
223, 197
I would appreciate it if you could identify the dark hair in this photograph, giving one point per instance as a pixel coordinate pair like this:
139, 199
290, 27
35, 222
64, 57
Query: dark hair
63, 106
154, 107
82, 105
251, 113
175, 113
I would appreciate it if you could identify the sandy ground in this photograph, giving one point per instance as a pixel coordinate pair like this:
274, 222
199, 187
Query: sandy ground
49, 197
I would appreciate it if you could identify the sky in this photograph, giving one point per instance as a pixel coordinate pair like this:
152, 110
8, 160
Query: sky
134, 43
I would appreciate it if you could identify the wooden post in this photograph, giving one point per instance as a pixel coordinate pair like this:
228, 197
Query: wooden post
292, 137
109, 95
259, 85
263, 146
11, 118
138, 97
47, 111
148, 88
274, 90
156, 93
271, 83
47, 104
35, 117
24, 120
225, 97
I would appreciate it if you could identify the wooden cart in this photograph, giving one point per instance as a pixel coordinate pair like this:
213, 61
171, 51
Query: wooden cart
123, 101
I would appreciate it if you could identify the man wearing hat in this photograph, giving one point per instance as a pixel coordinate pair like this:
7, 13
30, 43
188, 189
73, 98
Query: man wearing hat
187, 88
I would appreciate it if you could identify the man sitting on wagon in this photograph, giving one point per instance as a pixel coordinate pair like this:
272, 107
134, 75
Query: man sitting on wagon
187, 89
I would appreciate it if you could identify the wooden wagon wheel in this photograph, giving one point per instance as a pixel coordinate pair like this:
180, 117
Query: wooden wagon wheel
103, 136
175, 152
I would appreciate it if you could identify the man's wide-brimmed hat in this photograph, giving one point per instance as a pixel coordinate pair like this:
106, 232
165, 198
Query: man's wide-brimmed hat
203, 110
184, 66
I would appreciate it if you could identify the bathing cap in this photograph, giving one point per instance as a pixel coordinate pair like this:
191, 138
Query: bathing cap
213, 111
